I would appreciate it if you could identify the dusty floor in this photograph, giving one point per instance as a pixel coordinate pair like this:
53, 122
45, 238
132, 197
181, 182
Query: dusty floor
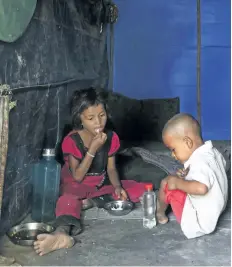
123, 241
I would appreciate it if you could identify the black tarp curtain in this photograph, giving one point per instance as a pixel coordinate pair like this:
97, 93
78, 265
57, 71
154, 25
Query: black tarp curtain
61, 51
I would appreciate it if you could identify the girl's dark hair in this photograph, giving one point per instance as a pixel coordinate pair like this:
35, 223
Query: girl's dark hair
83, 99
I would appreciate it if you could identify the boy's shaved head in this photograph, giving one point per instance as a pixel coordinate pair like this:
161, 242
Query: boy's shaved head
182, 124
182, 135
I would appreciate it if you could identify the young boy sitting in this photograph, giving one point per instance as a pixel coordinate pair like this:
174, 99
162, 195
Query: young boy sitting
198, 193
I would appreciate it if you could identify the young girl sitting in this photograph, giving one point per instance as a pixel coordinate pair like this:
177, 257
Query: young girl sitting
89, 154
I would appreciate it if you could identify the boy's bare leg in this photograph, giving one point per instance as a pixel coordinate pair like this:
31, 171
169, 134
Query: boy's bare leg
161, 205
50, 242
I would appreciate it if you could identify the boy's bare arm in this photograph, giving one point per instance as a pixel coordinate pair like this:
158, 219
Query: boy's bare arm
190, 187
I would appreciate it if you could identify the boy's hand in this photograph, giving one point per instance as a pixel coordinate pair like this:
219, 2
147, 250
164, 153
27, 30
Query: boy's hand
172, 182
121, 193
182, 173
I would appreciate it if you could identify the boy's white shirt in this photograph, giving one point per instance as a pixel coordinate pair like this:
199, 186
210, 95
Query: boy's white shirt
201, 213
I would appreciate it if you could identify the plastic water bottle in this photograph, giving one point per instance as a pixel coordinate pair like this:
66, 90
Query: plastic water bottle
149, 207
46, 182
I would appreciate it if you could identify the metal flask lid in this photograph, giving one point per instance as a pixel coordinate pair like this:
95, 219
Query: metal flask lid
48, 152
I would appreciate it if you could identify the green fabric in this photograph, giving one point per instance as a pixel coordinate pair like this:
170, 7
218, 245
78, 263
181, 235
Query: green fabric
15, 15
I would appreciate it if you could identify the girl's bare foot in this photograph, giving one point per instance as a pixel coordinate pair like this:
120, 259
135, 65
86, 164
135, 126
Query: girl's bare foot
162, 218
49, 242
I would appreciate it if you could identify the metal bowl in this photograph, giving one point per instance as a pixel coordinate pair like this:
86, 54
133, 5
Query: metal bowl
25, 234
119, 207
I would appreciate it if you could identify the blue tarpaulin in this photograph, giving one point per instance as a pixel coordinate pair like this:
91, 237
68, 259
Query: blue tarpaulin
156, 56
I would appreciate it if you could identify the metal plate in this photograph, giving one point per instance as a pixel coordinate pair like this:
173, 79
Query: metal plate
119, 207
25, 234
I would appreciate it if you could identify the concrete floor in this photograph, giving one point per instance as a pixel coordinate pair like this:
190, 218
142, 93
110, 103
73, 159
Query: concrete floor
122, 241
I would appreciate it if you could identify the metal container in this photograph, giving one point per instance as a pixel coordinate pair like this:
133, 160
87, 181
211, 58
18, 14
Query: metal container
26, 234
119, 207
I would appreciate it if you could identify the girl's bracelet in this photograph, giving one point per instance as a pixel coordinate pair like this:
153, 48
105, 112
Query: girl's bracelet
91, 155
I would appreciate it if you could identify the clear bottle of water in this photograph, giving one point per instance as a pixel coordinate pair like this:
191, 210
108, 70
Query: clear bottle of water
149, 207
46, 182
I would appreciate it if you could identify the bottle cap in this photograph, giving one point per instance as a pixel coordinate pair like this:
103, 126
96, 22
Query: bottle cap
149, 187
48, 152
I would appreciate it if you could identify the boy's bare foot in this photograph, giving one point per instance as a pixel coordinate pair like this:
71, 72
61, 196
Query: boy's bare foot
49, 242
160, 212
162, 218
